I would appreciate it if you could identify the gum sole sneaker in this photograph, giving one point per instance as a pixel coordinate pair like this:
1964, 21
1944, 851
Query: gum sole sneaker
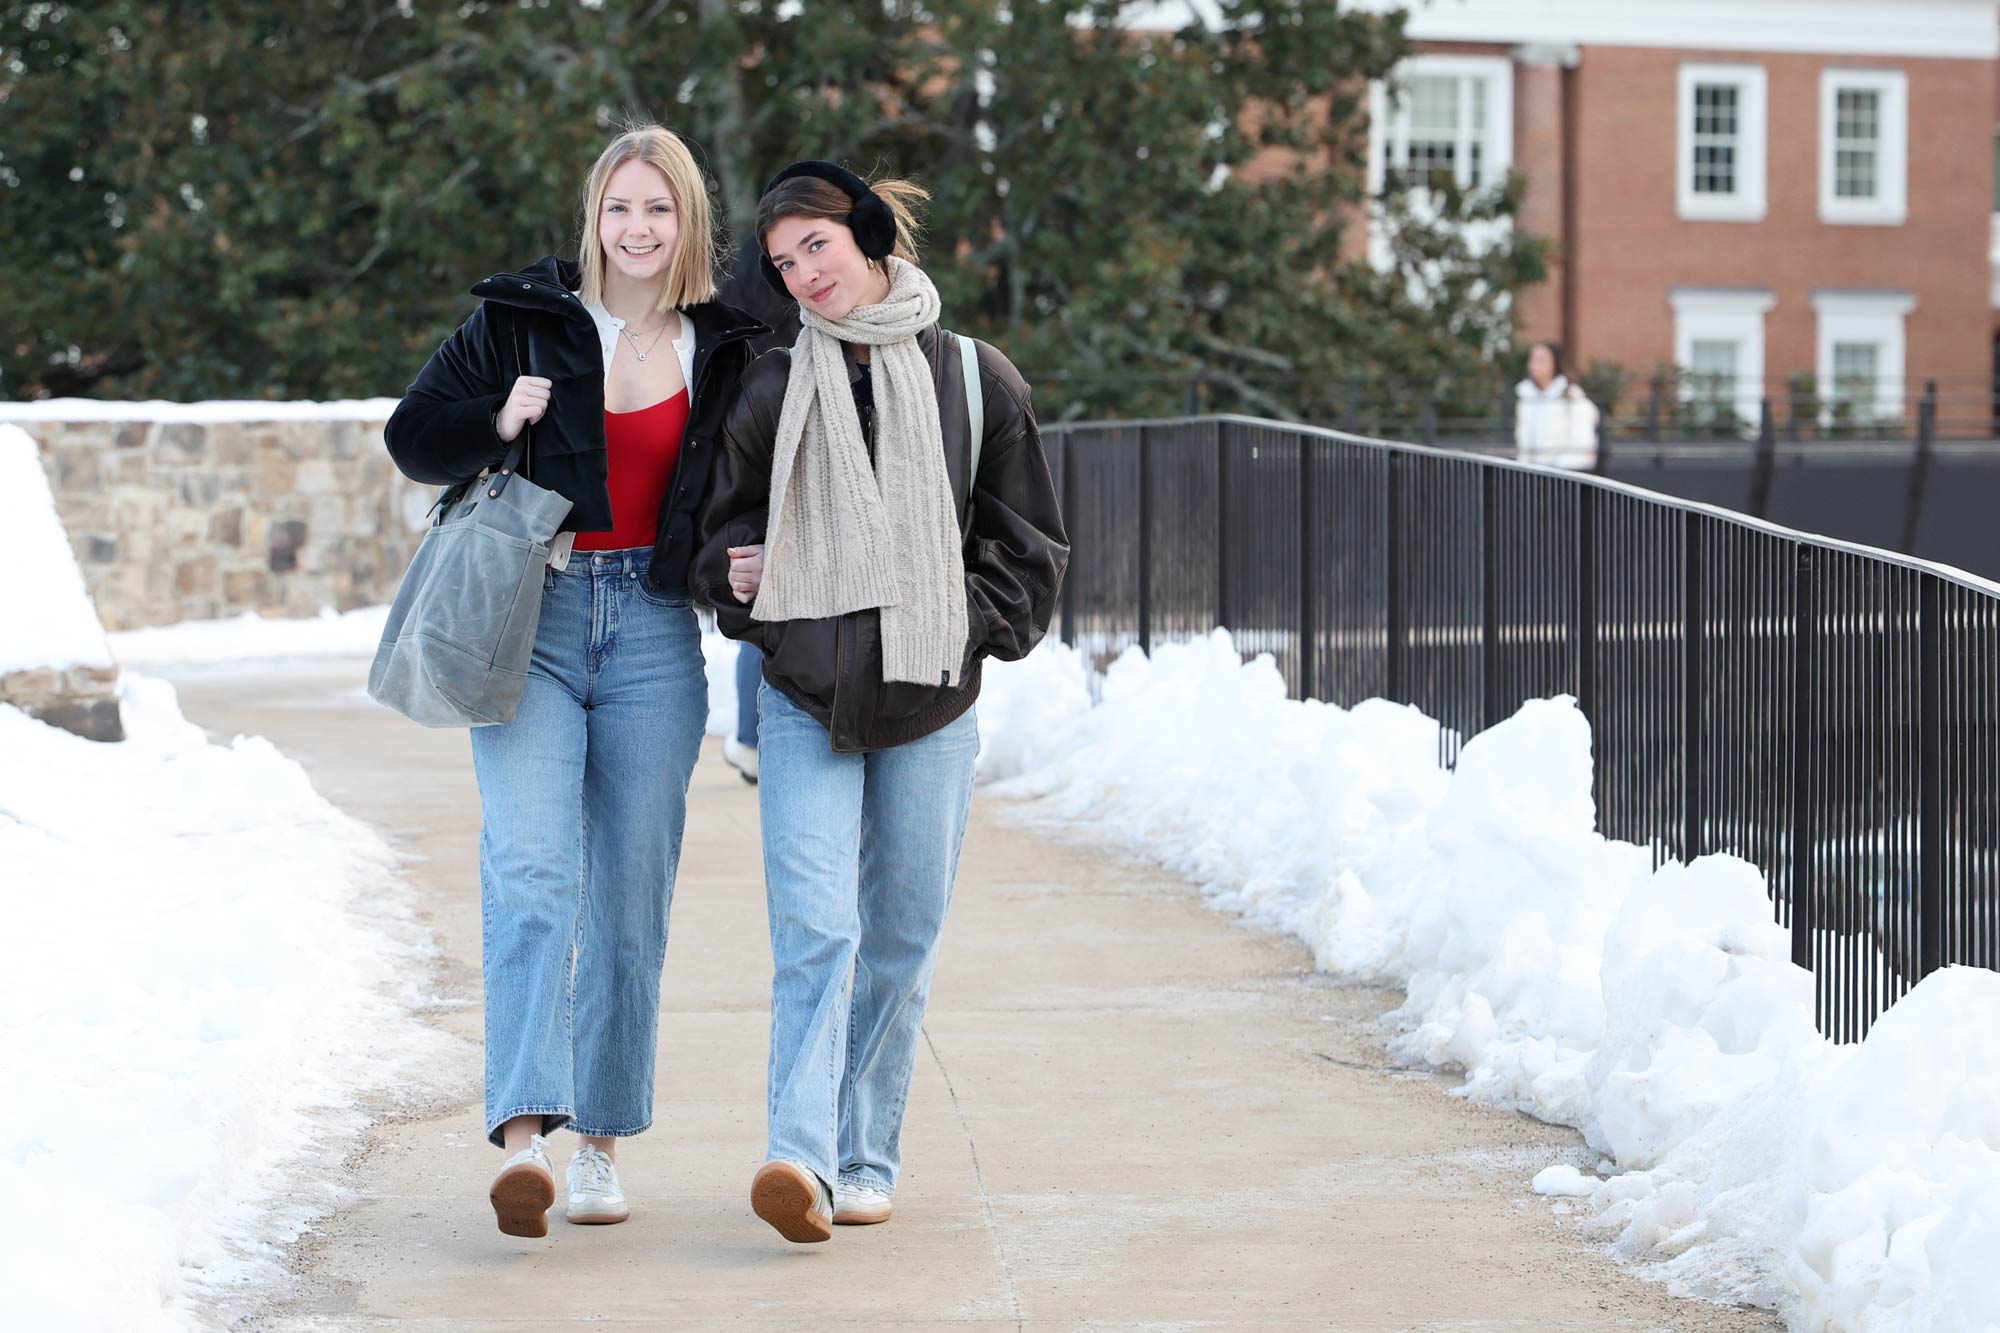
793, 1201
595, 1197
860, 1206
523, 1193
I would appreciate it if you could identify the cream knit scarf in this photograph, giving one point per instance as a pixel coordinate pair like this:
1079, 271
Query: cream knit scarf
842, 537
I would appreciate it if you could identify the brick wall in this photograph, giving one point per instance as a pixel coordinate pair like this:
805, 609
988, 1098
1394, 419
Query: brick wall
1631, 245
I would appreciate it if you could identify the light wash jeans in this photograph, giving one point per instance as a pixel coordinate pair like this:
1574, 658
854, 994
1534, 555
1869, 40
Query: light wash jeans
860, 851
584, 795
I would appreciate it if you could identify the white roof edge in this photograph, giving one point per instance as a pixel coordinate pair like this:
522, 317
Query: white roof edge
1934, 29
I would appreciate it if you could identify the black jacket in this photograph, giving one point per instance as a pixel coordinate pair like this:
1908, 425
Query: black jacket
533, 323
1014, 546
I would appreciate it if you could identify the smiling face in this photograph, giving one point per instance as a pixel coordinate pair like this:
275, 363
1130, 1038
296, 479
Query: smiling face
638, 224
823, 268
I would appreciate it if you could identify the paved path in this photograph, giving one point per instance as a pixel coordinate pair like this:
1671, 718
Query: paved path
1133, 1114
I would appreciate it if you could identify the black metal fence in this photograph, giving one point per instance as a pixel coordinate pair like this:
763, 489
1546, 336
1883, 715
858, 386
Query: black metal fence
1828, 711
1668, 406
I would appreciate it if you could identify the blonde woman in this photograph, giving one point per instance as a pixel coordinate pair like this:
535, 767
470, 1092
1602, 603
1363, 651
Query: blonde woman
876, 550
623, 368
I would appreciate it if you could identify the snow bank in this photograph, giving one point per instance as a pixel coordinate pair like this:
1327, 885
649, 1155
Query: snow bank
93, 409
250, 637
209, 972
46, 616
1746, 1158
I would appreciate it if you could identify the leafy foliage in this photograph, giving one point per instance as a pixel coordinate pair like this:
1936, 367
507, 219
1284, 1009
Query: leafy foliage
229, 199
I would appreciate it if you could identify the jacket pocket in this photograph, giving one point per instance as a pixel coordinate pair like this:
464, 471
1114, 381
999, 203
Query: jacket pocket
801, 653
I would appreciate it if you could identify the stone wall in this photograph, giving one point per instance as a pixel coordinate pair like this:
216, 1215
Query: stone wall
190, 520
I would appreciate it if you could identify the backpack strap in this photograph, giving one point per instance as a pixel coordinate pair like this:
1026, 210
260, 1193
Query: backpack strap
975, 403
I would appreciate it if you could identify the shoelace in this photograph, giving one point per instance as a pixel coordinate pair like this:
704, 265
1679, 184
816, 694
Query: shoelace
594, 1172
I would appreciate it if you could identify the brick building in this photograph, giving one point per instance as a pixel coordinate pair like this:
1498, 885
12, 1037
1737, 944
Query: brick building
1748, 189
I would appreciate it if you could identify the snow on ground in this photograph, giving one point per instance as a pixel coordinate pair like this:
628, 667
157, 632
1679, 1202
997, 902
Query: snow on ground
46, 619
251, 637
1745, 1158
216, 969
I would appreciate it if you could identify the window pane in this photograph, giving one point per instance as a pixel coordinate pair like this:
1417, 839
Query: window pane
1857, 137
1432, 103
1714, 358
1855, 367
1716, 133
1856, 371
1425, 133
1857, 113
1853, 173
1715, 108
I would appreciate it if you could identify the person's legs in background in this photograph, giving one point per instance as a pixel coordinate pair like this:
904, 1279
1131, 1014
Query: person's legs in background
741, 749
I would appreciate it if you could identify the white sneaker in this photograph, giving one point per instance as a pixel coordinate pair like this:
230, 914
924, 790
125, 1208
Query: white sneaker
859, 1205
792, 1200
741, 757
595, 1198
525, 1190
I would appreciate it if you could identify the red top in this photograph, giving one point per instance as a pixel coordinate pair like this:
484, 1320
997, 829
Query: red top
642, 448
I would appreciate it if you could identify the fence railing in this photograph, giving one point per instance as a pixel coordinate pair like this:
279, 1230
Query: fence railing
1668, 406
1828, 711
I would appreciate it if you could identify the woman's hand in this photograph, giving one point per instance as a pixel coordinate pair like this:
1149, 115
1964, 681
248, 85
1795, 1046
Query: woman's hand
524, 406
746, 571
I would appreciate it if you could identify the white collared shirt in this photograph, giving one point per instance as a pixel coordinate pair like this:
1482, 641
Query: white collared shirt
610, 328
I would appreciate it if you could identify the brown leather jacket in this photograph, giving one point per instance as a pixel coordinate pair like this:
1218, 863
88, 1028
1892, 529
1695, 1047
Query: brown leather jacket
1015, 553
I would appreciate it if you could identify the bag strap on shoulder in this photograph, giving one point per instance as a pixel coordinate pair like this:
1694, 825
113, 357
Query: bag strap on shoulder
975, 402
523, 450
507, 332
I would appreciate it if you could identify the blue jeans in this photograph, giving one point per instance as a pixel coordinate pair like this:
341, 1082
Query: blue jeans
584, 795
860, 851
749, 679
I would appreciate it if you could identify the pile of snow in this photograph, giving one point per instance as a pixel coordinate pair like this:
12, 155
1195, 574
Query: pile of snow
1745, 1157
210, 971
49, 620
253, 639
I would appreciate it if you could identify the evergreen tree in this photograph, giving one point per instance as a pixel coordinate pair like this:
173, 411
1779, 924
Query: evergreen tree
228, 199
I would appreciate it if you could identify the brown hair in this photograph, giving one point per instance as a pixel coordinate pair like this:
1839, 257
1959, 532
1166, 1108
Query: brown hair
810, 197
691, 278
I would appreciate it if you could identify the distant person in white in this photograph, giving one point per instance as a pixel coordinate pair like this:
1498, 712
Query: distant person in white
1554, 423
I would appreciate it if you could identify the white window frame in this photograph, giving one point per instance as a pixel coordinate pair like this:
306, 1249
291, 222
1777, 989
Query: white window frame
1866, 317
1498, 142
1747, 203
1890, 207
1732, 313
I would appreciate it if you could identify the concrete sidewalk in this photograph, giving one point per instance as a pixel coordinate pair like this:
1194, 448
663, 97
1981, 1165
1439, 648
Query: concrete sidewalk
1132, 1113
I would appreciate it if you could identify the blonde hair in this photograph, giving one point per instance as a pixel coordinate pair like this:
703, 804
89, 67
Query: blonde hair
810, 197
691, 278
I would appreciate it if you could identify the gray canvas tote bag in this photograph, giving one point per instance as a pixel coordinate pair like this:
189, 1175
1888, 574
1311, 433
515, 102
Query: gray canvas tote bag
462, 628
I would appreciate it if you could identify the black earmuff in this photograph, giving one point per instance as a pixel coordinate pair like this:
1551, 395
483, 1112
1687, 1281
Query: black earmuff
872, 221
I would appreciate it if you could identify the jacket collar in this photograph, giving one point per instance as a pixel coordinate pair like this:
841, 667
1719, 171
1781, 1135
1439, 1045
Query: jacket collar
550, 284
